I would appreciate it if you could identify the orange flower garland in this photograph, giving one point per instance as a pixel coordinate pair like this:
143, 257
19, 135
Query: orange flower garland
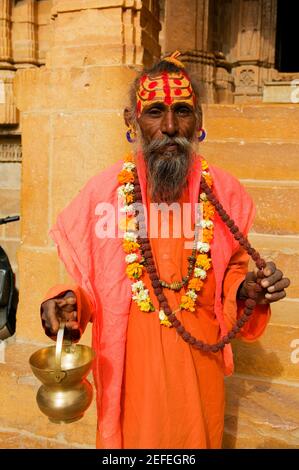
132, 248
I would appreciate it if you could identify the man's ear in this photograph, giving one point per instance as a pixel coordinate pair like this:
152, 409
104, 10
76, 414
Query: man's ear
199, 119
128, 116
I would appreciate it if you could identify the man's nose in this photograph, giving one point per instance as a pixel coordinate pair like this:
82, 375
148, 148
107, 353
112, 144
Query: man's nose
169, 124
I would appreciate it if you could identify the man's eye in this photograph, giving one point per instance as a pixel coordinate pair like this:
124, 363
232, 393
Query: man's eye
154, 111
183, 110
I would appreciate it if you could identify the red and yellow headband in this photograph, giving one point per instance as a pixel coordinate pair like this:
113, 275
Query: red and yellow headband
166, 88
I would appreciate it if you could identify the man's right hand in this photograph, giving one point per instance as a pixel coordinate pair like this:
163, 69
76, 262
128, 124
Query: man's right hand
58, 309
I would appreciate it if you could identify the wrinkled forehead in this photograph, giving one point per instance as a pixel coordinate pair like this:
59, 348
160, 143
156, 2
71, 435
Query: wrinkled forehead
167, 88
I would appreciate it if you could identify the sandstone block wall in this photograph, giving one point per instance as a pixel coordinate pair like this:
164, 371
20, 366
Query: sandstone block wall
259, 144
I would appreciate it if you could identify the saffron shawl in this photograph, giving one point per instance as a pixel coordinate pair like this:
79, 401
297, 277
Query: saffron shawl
98, 266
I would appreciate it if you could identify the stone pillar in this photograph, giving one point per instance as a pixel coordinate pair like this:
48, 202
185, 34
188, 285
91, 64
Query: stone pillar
108, 32
72, 128
8, 112
24, 34
253, 50
5, 33
187, 28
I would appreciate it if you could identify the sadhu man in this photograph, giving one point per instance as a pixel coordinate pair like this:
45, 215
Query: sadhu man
164, 308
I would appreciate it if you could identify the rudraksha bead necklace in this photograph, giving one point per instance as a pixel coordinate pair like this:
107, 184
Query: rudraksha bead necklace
250, 302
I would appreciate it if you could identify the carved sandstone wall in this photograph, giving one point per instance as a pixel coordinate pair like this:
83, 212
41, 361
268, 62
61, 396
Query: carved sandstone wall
24, 39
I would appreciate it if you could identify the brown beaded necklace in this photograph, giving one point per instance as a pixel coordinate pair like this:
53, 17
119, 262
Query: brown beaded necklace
146, 250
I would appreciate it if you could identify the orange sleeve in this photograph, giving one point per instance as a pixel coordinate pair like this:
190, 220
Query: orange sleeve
233, 308
84, 305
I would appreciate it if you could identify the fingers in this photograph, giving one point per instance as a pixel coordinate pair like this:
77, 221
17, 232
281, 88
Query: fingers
67, 304
269, 269
55, 310
272, 275
276, 291
276, 296
280, 285
274, 284
49, 316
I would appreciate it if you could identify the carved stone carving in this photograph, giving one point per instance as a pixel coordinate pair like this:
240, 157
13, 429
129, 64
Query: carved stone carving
8, 111
10, 151
247, 77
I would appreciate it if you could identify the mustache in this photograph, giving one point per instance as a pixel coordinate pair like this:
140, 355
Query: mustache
157, 145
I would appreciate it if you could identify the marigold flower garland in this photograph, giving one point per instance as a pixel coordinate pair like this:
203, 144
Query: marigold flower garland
132, 248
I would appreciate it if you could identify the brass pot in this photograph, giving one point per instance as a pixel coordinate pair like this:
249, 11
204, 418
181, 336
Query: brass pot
65, 394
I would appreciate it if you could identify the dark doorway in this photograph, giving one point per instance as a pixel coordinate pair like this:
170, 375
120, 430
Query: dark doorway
287, 28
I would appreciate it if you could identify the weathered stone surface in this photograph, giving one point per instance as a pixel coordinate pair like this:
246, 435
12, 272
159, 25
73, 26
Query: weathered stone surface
66, 5
10, 201
254, 160
15, 439
10, 176
252, 122
260, 359
92, 27
10, 205
104, 143
286, 312
39, 270
36, 178
261, 414
10, 180
284, 197
76, 88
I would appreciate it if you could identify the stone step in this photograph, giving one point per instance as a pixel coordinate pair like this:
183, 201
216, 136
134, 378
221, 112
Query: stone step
284, 251
277, 204
277, 122
255, 160
286, 311
274, 355
19, 415
261, 414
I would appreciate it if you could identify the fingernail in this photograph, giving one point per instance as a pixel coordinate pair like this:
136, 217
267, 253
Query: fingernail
271, 289
268, 296
265, 283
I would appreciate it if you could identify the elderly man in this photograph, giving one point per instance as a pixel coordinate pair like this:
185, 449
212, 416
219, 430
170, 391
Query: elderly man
164, 308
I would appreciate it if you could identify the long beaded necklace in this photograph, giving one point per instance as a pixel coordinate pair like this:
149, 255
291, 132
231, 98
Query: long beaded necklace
199, 261
136, 247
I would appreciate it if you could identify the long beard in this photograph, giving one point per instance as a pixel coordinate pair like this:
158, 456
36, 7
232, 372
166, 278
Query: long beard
167, 171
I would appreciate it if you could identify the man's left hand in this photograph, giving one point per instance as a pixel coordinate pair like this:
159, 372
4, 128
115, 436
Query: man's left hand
273, 283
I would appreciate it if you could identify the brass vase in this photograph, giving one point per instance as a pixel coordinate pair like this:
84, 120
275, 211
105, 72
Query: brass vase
65, 393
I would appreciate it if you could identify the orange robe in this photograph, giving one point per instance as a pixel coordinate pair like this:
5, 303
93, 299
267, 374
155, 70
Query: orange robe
173, 394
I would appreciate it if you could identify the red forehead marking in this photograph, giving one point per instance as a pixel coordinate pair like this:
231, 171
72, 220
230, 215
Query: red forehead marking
151, 95
153, 85
177, 92
166, 89
177, 81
